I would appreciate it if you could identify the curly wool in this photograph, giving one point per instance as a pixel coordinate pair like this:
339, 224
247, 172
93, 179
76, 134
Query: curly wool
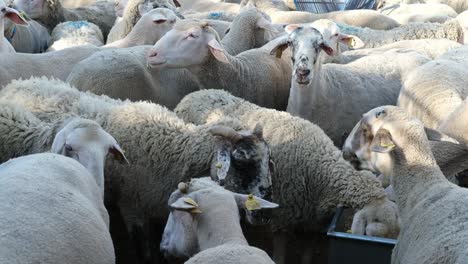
375, 38
75, 33
310, 178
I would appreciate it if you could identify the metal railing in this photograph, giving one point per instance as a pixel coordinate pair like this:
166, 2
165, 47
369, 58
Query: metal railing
325, 6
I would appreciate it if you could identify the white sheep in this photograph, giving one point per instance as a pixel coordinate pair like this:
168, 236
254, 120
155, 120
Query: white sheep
432, 209
56, 64
133, 11
154, 138
458, 5
149, 29
108, 73
453, 29
450, 155
309, 171
358, 86
253, 74
53, 206
75, 33
35, 38
208, 227
433, 91
406, 13
14, 16
432, 48
51, 12
217, 15
207, 5
280, 13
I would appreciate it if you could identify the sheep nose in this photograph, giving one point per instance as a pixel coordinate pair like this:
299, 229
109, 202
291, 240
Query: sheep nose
303, 72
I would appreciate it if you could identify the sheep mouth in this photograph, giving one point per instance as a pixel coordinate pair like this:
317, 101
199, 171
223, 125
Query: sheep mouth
302, 80
155, 63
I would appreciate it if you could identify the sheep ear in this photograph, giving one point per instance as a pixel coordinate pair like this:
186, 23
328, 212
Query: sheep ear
59, 142
280, 47
223, 163
15, 17
325, 47
258, 131
186, 204
217, 50
226, 132
252, 202
352, 41
118, 153
290, 28
435, 135
382, 142
159, 19
270, 29
176, 3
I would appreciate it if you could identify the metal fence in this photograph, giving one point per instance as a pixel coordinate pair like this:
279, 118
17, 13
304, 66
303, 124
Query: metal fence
325, 6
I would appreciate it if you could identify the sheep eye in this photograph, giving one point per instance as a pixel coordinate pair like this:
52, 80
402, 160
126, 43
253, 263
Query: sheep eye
193, 36
68, 148
336, 35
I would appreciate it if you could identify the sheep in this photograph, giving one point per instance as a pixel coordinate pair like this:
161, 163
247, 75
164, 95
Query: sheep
453, 29
279, 13
431, 98
82, 3
432, 48
34, 38
358, 86
57, 64
432, 209
218, 15
149, 29
155, 140
253, 75
75, 33
211, 211
53, 205
206, 6
404, 13
458, 5
451, 156
52, 212
108, 72
310, 174
250, 29
51, 12
133, 11
14, 16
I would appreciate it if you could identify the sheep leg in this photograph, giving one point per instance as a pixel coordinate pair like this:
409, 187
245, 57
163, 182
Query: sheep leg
279, 245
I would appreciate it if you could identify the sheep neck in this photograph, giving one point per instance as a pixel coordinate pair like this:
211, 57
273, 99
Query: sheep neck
414, 172
219, 225
213, 74
241, 37
304, 99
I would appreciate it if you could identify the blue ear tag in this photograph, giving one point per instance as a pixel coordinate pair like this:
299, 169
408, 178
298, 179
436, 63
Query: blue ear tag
215, 15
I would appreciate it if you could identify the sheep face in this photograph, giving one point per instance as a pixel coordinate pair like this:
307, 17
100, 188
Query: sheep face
160, 21
242, 161
12, 14
356, 148
189, 44
86, 142
205, 218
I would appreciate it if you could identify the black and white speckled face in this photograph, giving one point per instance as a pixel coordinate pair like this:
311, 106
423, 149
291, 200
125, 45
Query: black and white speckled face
306, 44
244, 164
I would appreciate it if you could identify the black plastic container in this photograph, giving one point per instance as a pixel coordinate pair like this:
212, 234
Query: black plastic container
348, 248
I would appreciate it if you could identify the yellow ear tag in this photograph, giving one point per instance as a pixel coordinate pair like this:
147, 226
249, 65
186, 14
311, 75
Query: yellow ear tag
351, 42
384, 145
190, 201
252, 204
195, 211
349, 231
219, 165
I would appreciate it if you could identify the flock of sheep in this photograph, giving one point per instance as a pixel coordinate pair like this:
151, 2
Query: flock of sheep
225, 117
